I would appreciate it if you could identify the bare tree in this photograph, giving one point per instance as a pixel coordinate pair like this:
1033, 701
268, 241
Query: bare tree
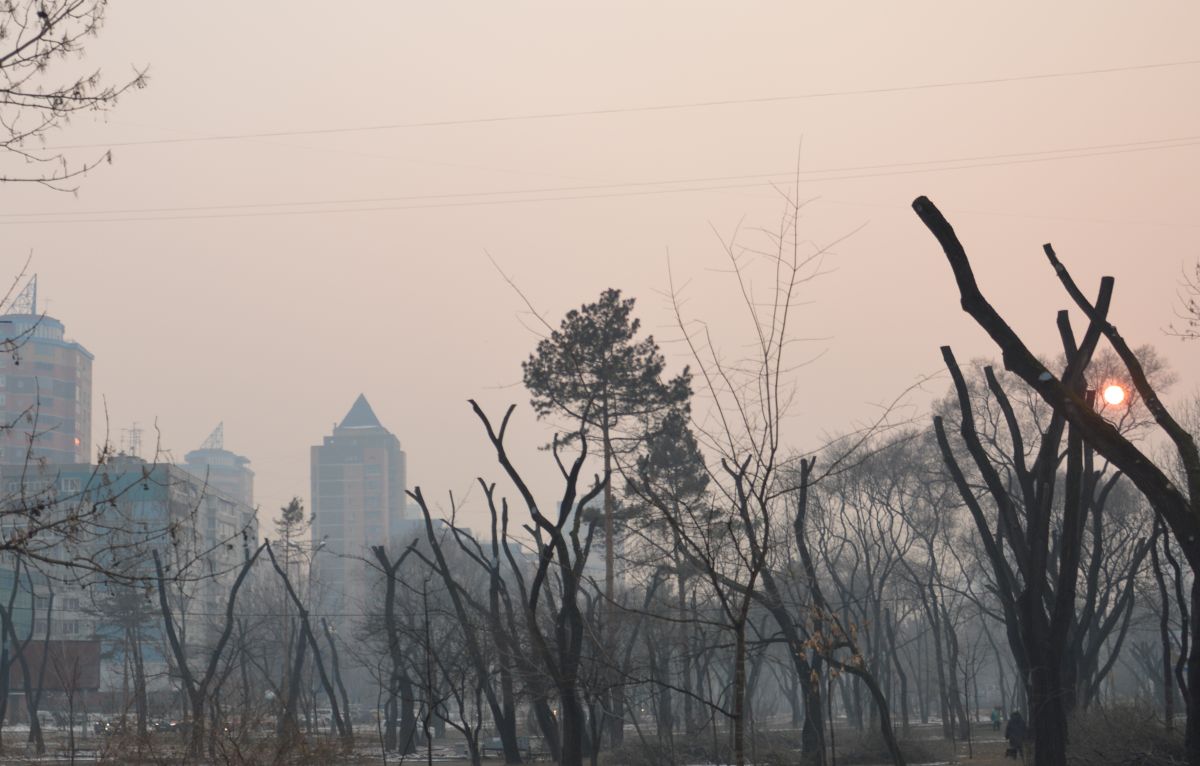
561, 556
1178, 506
468, 611
1188, 310
308, 639
39, 43
197, 686
399, 718
741, 543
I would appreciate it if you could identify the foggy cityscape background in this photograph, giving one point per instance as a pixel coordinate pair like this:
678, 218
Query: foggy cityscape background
637, 384
273, 317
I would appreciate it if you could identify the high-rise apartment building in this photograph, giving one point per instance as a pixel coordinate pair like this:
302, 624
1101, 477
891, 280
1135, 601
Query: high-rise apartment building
45, 387
228, 473
128, 510
358, 484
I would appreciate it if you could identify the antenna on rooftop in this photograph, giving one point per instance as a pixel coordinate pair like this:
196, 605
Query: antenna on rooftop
133, 438
215, 440
26, 300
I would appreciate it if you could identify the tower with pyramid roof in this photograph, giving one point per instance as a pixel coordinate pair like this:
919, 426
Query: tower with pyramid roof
358, 484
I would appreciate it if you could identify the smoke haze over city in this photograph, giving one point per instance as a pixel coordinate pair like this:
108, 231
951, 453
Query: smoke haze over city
266, 281
626, 383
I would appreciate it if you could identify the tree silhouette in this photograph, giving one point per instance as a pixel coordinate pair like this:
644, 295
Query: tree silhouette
593, 370
1178, 506
37, 95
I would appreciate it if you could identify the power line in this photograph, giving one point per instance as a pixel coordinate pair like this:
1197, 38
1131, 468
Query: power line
557, 115
594, 191
327, 211
1145, 145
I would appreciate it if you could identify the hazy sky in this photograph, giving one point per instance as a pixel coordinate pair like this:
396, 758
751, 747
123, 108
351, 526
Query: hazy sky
267, 281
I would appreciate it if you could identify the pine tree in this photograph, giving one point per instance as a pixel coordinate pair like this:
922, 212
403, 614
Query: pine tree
593, 370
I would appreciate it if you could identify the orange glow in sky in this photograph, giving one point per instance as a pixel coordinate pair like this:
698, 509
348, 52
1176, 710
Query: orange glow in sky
1114, 394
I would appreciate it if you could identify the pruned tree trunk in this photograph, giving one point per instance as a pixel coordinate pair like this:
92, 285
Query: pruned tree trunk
1178, 507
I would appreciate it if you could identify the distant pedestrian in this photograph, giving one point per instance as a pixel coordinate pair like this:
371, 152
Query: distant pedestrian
1015, 734
996, 718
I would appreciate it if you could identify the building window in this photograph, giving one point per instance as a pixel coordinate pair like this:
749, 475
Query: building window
331, 502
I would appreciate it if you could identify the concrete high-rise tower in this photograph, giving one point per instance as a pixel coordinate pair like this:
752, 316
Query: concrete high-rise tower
228, 473
45, 387
358, 484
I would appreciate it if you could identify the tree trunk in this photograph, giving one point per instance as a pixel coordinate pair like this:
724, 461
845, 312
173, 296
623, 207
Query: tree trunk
685, 655
574, 726
33, 695
390, 715
4, 678
336, 668
923, 678
289, 723
812, 735
1192, 734
939, 664
549, 727
408, 716
885, 716
506, 722
739, 691
198, 719
793, 693
953, 694
900, 674
141, 702
1164, 632
664, 717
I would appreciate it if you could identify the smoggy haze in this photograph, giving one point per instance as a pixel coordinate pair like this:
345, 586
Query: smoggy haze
273, 317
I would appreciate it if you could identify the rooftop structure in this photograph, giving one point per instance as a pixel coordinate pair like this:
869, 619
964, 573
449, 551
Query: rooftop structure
227, 472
